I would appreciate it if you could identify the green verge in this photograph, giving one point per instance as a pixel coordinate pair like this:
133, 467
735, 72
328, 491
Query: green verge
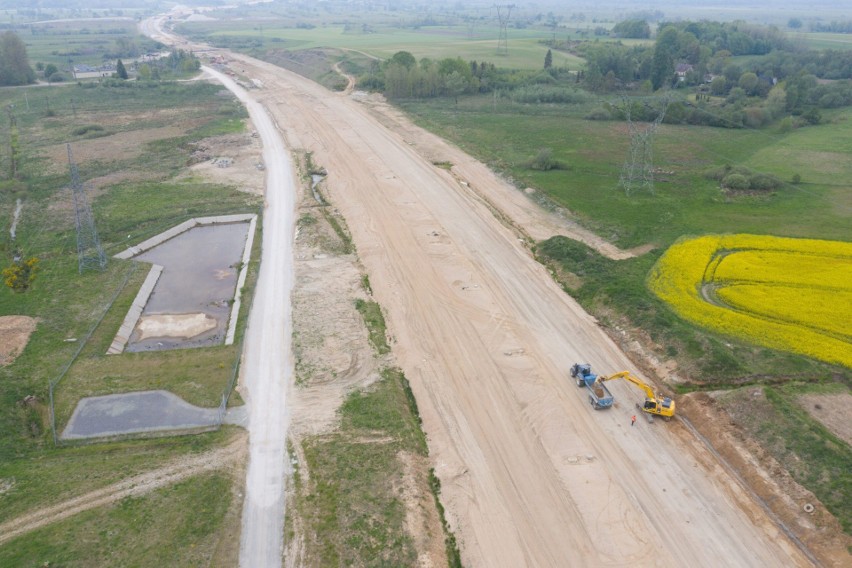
352, 510
814, 456
130, 532
353, 513
375, 322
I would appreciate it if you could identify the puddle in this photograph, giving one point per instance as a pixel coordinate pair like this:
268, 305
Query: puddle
190, 304
19, 205
315, 180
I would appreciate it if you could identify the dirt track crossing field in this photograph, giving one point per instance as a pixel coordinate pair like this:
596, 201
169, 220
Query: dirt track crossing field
130, 487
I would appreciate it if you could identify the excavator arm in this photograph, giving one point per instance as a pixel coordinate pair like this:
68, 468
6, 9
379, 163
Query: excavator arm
663, 406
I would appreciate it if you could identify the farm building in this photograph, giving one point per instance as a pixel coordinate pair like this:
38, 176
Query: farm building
89, 72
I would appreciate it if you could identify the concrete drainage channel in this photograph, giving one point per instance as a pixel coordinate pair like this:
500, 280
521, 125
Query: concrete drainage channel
157, 411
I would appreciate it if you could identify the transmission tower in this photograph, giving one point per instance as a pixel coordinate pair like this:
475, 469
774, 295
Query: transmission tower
90, 253
638, 170
503, 13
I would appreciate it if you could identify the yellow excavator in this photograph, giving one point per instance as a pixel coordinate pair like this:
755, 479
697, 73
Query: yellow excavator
660, 406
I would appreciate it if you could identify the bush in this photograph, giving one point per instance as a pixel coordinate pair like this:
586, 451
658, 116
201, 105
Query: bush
736, 182
739, 178
20, 275
543, 161
764, 182
82, 130
599, 113
549, 94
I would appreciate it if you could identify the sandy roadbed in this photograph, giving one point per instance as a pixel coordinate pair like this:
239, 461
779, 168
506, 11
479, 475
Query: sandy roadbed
531, 476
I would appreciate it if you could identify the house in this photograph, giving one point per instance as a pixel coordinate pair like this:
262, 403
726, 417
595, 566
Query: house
88, 72
681, 69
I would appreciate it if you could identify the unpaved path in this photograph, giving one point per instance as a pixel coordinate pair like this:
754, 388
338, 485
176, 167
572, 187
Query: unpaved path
130, 487
267, 369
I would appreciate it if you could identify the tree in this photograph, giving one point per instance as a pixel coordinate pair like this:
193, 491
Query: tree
455, 83
144, 72
548, 60
120, 71
14, 65
662, 63
748, 82
794, 23
49, 70
637, 29
404, 58
719, 85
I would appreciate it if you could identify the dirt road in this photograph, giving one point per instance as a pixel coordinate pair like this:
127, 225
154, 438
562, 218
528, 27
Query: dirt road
267, 369
531, 475
131, 487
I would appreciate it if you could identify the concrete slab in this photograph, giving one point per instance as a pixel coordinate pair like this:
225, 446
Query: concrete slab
128, 413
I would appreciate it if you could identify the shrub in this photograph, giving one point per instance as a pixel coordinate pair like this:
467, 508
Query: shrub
83, 130
736, 182
20, 275
543, 160
599, 113
764, 182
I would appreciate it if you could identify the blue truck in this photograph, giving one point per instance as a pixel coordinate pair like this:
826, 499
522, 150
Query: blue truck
599, 395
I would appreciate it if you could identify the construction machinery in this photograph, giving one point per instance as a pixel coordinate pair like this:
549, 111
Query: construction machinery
656, 405
599, 395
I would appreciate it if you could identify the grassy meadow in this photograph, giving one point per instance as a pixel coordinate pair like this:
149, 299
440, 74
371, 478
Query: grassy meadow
813, 455
525, 48
76, 42
131, 143
684, 202
130, 532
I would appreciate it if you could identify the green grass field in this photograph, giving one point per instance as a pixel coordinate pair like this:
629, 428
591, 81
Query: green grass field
145, 143
825, 40
130, 532
684, 202
525, 47
73, 42
140, 202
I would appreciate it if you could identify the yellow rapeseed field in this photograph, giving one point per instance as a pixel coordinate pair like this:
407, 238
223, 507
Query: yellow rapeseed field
789, 294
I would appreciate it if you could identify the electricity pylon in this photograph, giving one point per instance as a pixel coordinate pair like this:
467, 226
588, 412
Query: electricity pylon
90, 253
638, 169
